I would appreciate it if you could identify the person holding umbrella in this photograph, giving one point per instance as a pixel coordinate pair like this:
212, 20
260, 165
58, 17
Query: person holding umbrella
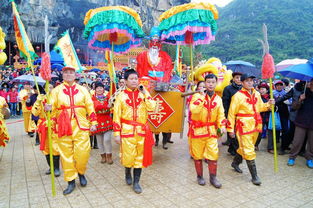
244, 113
304, 126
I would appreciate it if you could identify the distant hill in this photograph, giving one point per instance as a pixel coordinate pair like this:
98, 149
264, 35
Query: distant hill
290, 30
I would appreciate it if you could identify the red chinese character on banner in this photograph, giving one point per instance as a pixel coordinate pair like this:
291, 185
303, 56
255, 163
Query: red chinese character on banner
162, 111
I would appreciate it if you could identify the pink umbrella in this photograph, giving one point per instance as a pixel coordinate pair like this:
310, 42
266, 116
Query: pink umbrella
290, 62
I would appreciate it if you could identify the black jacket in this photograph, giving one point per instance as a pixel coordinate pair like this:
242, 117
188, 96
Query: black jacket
304, 118
228, 92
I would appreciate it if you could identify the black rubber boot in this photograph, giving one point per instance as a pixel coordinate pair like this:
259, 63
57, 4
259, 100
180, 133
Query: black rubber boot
128, 176
70, 188
48, 172
91, 141
169, 136
95, 143
252, 168
156, 136
235, 164
136, 187
56, 163
164, 141
82, 180
37, 142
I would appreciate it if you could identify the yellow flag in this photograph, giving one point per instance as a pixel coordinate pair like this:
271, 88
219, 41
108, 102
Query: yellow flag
65, 47
22, 40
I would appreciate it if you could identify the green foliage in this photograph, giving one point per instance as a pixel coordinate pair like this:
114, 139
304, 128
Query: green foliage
290, 29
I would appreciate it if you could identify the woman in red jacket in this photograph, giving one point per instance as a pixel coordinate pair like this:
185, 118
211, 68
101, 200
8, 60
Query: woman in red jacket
105, 126
12, 96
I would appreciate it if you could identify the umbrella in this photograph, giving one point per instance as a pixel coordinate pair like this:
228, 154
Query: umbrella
29, 78
89, 81
189, 24
58, 67
243, 67
114, 28
95, 70
302, 72
289, 62
92, 73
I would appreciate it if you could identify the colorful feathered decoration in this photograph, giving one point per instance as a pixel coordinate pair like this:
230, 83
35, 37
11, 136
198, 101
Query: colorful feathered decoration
117, 26
268, 66
189, 24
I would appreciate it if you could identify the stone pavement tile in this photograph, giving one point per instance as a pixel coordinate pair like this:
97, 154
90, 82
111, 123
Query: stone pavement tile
253, 204
4, 203
162, 202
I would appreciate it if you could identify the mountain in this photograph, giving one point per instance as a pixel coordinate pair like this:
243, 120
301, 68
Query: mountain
69, 14
290, 30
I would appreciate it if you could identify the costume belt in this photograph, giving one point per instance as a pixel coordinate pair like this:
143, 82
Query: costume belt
64, 121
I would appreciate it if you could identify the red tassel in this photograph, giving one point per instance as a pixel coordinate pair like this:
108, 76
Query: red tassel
148, 144
64, 124
189, 37
113, 37
268, 66
45, 70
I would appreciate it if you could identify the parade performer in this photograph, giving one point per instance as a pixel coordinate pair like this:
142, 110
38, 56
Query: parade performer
105, 124
245, 122
207, 116
74, 115
131, 129
42, 130
4, 135
155, 63
24, 95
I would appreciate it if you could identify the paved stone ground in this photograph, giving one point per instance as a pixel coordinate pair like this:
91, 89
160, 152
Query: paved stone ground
169, 182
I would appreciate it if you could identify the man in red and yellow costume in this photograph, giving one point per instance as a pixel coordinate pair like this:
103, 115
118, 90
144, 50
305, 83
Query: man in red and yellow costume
74, 115
207, 123
24, 95
155, 63
42, 129
244, 121
131, 129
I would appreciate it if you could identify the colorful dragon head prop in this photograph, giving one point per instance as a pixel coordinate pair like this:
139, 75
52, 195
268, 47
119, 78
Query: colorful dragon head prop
3, 56
214, 66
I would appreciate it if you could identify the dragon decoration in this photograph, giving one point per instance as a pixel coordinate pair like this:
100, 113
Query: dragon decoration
213, 66
3, 56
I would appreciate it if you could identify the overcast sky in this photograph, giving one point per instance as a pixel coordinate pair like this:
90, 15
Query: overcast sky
219, 3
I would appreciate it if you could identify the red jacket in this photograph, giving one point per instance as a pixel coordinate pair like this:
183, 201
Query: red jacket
12, 96
104, 119
162, 71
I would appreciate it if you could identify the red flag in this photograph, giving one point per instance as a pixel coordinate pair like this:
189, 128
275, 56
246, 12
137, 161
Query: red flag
268, 66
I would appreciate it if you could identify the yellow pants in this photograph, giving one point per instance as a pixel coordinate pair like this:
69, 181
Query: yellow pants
75, 152
55, 148
27, 122
201, 148
131, 151
246, 145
